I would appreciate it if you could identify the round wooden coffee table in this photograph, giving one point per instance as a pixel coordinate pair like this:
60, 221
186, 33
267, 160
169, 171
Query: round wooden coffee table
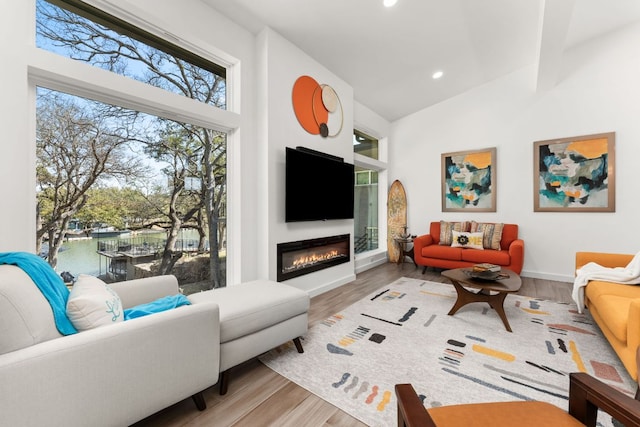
490, 291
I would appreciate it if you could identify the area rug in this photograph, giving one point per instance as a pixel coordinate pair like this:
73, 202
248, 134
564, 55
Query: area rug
402, 334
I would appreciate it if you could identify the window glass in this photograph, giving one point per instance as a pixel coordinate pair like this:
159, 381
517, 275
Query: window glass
78, 31
121, 186
365, 145
366, 210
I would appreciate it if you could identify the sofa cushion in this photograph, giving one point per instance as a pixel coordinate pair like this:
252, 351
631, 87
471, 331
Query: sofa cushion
509, 234
447, 228
489, 255
442, 252
26, 317
492, 233
615, 313
93, 303
502, 413
253, 306
597, 288
467, 240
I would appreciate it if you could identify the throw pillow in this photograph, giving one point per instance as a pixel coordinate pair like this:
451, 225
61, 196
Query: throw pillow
93, 303
446, 228
467, 240
492, 233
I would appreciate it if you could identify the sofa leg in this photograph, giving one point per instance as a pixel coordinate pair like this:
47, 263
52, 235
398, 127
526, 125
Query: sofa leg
424, 269
224, 382
198, 399
298, 344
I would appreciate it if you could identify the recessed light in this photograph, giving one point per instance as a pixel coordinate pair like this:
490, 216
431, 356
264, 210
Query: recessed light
437, 75
389, 3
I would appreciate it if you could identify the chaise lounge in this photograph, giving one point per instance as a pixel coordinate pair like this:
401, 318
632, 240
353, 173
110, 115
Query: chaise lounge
255, 317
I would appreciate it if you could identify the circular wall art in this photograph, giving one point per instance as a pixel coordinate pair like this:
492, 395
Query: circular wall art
317, 107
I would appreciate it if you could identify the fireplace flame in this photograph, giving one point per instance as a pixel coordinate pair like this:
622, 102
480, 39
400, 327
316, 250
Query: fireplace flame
314, 258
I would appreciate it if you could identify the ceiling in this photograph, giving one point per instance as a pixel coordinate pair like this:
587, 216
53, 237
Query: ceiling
389, 54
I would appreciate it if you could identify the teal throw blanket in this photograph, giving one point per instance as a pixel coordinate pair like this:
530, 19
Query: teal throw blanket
162, 304
49, 283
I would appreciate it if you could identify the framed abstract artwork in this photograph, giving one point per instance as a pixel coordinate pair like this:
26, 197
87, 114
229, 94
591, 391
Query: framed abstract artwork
469, 181
574, 174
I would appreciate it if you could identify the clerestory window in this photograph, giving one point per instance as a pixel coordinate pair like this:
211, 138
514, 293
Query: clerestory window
79, 31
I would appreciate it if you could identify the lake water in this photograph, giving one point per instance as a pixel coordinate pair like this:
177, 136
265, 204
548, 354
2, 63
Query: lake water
81, 256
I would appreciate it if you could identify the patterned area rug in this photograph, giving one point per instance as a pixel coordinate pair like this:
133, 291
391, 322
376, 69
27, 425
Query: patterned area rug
402, 334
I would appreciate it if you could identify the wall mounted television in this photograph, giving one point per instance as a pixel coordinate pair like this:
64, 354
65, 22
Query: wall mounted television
318, 186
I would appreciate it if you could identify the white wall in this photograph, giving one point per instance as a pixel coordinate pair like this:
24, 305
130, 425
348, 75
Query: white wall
598, 92
17, 154
281, 64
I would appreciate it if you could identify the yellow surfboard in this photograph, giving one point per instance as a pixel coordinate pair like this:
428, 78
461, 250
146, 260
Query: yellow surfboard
396, 218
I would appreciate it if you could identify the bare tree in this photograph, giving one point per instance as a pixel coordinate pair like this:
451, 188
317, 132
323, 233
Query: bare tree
76, 148
175, 148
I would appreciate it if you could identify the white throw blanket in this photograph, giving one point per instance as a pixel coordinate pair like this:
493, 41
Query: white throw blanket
629, 275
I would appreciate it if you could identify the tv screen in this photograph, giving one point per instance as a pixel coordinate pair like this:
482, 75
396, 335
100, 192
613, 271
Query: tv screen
317, 186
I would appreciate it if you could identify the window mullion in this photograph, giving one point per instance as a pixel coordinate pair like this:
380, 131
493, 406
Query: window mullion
64, 74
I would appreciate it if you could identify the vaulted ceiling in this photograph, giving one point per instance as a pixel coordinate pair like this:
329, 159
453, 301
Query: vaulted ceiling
388, 55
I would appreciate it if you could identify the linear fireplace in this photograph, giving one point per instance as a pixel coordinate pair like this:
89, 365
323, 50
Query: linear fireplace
306, 256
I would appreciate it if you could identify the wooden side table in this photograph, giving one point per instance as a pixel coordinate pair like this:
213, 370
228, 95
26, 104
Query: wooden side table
403, 243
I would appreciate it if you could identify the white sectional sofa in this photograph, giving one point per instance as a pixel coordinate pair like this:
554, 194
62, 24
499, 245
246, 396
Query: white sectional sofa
118, 374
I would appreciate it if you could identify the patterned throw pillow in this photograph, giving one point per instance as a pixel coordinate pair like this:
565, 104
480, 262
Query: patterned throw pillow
492, 233
467, 240
93, 303
447, 227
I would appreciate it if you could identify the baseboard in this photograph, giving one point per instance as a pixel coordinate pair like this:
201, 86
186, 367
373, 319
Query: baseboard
370, 260
547, 276
370, 264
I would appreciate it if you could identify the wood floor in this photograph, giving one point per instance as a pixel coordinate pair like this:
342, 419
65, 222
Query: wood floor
258, 396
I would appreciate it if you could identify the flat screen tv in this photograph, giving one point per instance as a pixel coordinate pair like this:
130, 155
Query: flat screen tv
318, 186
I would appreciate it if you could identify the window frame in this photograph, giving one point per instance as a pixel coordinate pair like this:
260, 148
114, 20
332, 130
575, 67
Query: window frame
64, 74
380, 167
111, 21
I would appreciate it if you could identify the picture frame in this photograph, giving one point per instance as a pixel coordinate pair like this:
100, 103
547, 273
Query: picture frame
469, 181
575, 174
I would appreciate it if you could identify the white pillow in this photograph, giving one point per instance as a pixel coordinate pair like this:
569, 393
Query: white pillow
93, 303
467, 240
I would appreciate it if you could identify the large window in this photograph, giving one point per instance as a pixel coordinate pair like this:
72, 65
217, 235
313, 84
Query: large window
144, 188
366, 196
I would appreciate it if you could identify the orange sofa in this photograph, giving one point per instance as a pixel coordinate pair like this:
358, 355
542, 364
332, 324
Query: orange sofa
615, 307
428, 252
